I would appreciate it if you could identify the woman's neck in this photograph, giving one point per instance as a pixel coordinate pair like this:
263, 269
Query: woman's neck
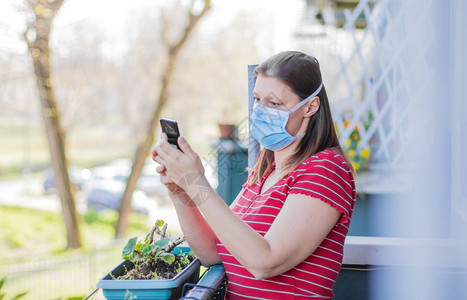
281, 156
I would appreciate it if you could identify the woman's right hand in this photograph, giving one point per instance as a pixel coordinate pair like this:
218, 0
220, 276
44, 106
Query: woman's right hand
169, 184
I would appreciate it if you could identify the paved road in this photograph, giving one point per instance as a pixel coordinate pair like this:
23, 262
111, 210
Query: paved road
29, 193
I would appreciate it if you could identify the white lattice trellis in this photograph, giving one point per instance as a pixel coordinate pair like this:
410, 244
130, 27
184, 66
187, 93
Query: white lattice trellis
379, 74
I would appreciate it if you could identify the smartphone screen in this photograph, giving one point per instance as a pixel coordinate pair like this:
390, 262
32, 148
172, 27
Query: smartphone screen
170, 127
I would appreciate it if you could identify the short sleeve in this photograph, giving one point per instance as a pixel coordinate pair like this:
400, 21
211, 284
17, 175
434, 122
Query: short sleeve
326, 176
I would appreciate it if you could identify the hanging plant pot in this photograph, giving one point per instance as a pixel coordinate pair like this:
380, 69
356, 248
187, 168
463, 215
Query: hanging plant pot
148, 288
228, 131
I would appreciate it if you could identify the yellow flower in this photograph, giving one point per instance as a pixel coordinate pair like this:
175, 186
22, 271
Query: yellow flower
347, 143
355, 165
352, 153
365, 153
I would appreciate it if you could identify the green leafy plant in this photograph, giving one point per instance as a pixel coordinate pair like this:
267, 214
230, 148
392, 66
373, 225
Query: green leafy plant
2, 295
153, 259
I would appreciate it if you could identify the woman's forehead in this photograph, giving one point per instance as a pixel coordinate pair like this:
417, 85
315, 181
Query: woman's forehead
271, 86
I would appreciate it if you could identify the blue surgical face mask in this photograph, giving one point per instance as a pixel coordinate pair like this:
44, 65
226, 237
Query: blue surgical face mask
268, 124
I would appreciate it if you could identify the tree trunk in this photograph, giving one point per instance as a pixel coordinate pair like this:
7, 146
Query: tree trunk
144, 147
40, 53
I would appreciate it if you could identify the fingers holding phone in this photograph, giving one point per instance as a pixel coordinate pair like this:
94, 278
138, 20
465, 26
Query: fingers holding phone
170, 128
157, 156
179, 166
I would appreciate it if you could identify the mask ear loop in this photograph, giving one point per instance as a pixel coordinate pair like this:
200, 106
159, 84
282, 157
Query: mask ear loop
307, 99
303, 102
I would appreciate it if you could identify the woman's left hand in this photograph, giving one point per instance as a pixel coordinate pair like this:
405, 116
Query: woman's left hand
183, 168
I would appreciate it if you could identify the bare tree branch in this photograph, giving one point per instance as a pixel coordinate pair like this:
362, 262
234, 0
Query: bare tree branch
193, 21
144, 146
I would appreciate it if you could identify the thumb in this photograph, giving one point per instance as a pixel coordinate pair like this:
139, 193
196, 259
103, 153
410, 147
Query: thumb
185, 147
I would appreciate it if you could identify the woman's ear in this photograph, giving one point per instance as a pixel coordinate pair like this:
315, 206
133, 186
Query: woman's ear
312, 107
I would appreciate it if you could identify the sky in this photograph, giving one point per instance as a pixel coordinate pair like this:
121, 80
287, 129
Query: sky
111, 16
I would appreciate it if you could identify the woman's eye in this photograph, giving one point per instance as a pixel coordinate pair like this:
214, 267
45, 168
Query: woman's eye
267, 102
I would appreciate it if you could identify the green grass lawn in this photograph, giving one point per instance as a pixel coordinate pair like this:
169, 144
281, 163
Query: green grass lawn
34, 259
41, 233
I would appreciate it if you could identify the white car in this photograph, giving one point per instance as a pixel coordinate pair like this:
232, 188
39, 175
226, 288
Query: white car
108, 194
107, 184
78, 178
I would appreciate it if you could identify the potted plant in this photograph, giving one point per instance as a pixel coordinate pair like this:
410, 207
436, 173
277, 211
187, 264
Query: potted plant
228, 131
152, 269
229, 116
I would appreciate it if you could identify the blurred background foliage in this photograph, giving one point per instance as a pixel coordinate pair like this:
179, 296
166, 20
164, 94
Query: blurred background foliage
107, 59
105, 95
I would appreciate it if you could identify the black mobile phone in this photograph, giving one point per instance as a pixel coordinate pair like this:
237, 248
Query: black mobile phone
170, 127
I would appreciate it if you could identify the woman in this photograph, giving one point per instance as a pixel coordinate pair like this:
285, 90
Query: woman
283, 236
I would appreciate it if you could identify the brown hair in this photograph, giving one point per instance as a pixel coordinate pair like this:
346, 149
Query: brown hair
302, 74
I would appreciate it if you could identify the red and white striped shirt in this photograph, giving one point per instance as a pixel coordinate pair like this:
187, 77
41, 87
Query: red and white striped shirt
325, 176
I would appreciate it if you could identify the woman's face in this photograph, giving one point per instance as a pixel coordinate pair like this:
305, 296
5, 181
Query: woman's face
274, 93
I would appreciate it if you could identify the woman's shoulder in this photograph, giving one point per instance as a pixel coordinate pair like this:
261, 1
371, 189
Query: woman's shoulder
327, 167
326, 156
328, 162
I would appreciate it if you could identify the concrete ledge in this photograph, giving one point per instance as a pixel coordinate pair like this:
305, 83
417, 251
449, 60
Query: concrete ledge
383, 182
390, 251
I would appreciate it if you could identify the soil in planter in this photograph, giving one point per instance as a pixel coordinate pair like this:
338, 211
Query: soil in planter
157, 269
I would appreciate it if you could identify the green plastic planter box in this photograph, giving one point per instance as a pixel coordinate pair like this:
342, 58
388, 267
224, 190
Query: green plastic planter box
148, 289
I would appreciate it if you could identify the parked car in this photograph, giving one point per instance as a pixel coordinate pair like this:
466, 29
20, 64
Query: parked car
107, 184
78, 178
108, 194
120, 169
